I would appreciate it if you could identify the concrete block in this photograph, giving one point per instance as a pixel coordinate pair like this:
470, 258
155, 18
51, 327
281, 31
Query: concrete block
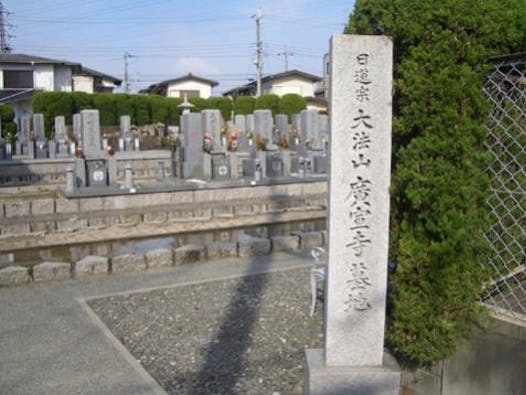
43, 226
97, 222
128, 263
189, 253
91, 204
66, 206
43, 206
15, 229
130, 219
91, 265
17, 208
49, 271
223, 212
221, 249
251, 246
14, 275
285, 243
155, 217
160, 257
243, 209
321, 379
177, 215
201, 213
309, 240
72, 224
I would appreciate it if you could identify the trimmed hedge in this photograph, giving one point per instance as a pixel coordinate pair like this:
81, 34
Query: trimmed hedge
291, 103
244, 105
223, 104
268, 102
440, 184
7, 115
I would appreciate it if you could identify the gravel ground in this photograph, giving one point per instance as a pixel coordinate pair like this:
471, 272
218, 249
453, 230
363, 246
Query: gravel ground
240, 336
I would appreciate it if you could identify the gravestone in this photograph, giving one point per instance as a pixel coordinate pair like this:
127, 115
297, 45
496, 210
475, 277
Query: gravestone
24, 145
193, 154
61, 137
250, 123
38, 127
263, 124
126, 140
90, 133
310, 130
282, 126
77, 128
241, 125
211, 123
295, 132
353, 361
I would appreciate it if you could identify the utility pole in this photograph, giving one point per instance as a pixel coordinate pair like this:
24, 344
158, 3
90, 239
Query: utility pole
286, 55
259, 52
4, 46
126, 76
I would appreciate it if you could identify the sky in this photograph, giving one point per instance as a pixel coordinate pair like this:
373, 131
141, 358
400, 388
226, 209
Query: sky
214, 39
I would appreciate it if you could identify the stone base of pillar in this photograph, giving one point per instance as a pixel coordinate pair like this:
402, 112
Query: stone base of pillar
350, 380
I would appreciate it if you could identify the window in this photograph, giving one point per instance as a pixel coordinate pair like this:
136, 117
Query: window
189, 93
18, 79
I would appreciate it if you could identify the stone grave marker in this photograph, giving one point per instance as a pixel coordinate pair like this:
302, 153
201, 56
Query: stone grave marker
126, 140
25, 145
91, 133
192, 131
354, 361
263, 124
61, 138
211, 123
310, 130
274, 165
38, 127
77, 128
282, 126
250, 123
220, 167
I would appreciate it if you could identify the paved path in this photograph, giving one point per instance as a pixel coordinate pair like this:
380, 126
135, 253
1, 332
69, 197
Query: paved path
51, 342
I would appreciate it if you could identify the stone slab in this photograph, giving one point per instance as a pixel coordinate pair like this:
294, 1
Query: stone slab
189, 253
67, 206
253, 246
43, 206
343, 380
309, 240
17, 208
128, 263
221, 249
285, 243
14, 275
50, 271
160, 257
91, 265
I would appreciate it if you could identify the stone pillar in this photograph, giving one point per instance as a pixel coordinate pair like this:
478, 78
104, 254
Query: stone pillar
160, 170
353, 361
70, 180
128, 176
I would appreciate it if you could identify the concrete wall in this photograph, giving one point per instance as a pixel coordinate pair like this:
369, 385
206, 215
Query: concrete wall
290, 85
199, 209
44, 77
489, 362
63, 79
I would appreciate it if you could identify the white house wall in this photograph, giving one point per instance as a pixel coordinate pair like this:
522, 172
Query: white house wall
83, 83
44, 77
205, 90
63, 79
284, 86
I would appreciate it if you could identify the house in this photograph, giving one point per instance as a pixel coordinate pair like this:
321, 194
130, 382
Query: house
189, 85
23, 75
293, 81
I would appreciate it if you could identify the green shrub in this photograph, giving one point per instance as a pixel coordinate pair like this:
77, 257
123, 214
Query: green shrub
124, 106
105, 103
439, 185
159, 109
7, 115
291, 103
173, 110
199, 103
244, 105
223, 104
141, 110
51, 105
268, 102
81, 101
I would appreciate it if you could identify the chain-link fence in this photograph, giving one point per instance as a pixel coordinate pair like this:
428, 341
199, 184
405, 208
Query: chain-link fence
506, 89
